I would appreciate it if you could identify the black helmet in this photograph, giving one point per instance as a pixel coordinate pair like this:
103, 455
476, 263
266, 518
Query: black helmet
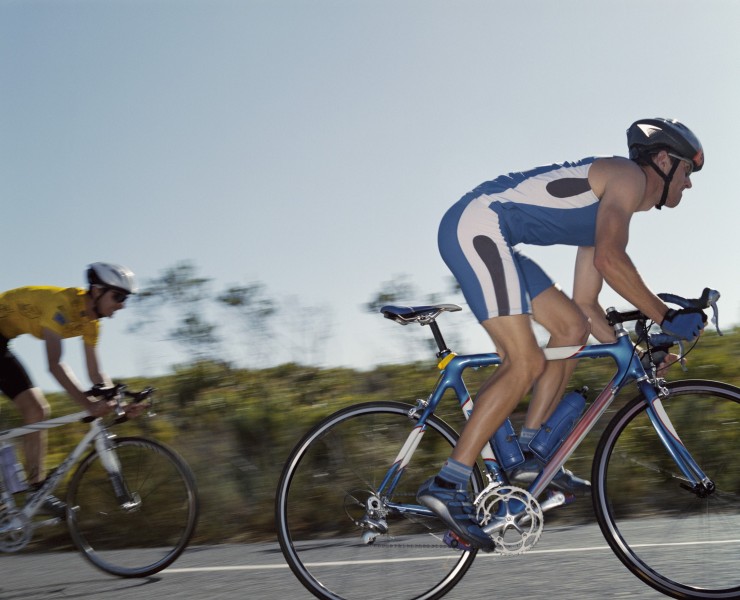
648, 135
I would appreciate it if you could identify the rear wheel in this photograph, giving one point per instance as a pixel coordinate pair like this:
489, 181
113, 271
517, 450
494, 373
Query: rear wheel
341, 539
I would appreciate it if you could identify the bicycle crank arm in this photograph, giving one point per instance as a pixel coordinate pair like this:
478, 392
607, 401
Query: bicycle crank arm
555, 499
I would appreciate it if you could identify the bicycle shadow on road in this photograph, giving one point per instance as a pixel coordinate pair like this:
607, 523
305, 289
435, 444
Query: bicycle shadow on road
92, 588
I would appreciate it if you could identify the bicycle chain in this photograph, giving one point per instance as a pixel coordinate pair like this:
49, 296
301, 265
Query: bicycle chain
440, 546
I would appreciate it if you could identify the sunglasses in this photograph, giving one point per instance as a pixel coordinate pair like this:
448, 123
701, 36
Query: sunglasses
119, 297
690, 165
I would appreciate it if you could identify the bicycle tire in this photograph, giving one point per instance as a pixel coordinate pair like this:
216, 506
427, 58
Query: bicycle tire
147, 538
323, 490
681, 544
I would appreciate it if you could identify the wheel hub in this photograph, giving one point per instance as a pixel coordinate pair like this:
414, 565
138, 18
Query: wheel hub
367, 512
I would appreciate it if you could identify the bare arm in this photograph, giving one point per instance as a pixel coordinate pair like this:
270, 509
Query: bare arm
623, 185
93, 368
587, 285
66, 378
586, 288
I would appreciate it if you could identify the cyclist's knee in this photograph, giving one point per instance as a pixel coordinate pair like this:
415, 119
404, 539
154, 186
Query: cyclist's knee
574, 330
33, 405
535, 365
580, 330
525, 368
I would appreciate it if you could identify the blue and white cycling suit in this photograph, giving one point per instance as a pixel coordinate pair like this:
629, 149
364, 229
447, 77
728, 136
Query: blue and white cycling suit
548, 205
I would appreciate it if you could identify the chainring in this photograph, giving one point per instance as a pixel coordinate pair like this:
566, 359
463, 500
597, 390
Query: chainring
512, 517
15, 530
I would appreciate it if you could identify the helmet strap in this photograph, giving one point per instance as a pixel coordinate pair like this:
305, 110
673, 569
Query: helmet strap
96, 310
666, 180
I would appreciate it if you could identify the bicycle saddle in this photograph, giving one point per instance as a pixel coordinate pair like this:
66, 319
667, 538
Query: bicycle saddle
416, 314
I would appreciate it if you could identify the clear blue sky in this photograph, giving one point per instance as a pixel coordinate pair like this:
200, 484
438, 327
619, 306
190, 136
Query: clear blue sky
314, 145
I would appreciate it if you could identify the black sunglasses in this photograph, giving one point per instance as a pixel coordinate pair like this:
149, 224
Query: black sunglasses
118, 296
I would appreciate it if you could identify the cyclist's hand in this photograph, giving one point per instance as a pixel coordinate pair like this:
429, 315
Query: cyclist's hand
666, 361
662, 360
686, 324
98, 408
135, 409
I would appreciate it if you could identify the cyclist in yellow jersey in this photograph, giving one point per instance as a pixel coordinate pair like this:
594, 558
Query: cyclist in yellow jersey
53, 314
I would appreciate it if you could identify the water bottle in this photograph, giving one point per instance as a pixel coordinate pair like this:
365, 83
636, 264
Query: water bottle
13, 473
506, 446
554, 431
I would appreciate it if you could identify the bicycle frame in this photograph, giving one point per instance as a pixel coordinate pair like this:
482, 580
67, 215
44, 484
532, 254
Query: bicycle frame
97, 434
629, 368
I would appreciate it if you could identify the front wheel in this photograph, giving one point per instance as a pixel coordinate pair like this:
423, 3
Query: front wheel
138, 521
343, 539
683, 542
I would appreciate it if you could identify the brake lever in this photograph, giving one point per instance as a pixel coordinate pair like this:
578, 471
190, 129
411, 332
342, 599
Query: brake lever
715, 317
682, 353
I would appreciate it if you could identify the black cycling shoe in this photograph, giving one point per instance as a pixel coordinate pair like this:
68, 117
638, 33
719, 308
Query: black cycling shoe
54, 507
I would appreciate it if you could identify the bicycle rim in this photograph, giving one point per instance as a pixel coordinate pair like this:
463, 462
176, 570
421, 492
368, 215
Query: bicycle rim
144, 538
324, 491
675, 541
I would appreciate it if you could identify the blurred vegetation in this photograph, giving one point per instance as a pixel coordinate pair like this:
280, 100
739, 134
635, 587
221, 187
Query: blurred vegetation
236, 427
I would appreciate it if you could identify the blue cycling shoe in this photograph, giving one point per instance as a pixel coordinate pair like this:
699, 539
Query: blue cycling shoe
564, 480
454, 508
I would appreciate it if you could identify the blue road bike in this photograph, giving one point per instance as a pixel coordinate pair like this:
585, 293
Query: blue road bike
665, 480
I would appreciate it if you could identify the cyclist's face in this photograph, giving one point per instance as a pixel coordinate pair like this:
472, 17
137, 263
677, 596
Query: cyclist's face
681, 181
111, 301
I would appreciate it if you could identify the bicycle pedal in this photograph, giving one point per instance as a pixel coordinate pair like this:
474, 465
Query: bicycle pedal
455, 542
569, 499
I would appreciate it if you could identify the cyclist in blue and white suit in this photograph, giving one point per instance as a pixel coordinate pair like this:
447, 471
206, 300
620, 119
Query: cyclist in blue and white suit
545, 206
588, 204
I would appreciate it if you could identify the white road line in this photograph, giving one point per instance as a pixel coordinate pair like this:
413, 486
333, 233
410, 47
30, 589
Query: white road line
342, 563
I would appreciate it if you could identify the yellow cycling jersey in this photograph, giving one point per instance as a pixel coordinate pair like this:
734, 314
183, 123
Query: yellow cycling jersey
35, 308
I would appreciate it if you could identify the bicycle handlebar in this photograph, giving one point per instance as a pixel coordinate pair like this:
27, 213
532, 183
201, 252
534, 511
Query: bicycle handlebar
708, 299
117, 392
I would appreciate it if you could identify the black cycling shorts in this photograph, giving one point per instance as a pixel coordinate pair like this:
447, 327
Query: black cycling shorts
13, 377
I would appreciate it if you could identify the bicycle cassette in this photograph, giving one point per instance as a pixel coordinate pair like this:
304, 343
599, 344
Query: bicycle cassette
511, 516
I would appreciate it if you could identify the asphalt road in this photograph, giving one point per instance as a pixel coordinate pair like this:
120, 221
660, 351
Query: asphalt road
567, 563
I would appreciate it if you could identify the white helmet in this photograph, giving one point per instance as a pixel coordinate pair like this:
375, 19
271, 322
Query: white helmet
115, 277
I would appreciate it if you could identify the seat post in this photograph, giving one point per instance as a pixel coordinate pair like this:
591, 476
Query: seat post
443, 349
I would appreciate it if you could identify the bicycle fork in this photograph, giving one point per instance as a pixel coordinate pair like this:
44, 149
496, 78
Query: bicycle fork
697, 481
109, 459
